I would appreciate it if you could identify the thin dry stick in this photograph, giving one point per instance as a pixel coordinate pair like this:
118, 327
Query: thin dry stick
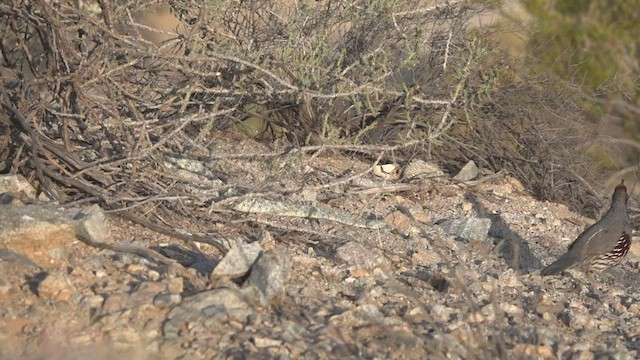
483, 179
289, 150
146, 151
144, 252
141, 200
289, 228
35, 143
386, 189
615, 177
446, 52
421, 11
445, 123
350, 178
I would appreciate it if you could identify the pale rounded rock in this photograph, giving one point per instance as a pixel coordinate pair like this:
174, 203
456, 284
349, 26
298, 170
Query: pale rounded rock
153, 275
441, 312
176, 285
56, 287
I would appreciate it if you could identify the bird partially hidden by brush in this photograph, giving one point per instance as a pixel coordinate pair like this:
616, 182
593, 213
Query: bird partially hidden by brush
603, 244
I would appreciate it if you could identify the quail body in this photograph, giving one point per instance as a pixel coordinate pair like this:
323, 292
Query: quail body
603, 244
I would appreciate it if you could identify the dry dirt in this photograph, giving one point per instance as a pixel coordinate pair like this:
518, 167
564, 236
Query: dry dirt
406, 290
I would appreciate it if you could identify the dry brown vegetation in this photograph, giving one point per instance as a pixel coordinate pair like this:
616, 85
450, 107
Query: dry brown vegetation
96, 109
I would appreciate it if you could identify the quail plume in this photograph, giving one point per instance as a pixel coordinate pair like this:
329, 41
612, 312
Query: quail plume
603, 244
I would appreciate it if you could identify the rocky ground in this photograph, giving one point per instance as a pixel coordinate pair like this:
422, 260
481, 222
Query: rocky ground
445, 269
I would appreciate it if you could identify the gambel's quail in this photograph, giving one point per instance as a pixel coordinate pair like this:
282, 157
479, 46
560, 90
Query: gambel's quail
603, 244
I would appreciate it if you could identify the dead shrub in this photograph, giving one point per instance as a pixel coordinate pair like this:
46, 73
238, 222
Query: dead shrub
96, 104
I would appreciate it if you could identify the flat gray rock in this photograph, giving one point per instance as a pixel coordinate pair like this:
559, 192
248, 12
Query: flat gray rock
209, 309
356, 255
268, 278
468, 172
467, 228
237, 261
421, 169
